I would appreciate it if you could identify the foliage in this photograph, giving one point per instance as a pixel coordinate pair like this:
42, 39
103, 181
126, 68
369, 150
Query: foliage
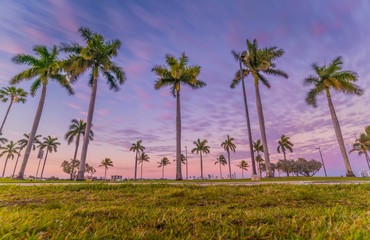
284, 144
221, 160
70, 167
300, 166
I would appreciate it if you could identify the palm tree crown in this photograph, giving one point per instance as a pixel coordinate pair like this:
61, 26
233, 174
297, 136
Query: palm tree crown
362, 145
96, 57
333, 77
284, 144
175, 74
76, 129
43, 68
50, 144
259, 62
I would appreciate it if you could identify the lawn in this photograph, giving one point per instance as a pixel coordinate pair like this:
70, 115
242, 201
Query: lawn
165, 211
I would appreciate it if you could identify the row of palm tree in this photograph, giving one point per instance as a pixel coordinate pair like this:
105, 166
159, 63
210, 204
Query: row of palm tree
95, 57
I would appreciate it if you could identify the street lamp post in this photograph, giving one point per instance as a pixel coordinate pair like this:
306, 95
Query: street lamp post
186, 157
322, 161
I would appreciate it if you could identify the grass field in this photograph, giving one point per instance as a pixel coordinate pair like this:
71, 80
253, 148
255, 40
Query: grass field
164, 211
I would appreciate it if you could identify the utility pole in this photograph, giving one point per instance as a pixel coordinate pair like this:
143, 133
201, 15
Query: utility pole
322, 161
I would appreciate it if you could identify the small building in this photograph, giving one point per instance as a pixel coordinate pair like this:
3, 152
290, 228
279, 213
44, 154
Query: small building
116, 177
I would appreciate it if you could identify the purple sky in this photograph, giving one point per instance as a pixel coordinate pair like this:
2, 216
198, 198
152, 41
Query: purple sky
308, 31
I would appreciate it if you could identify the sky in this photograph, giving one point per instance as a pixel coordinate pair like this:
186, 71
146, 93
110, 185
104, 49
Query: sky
206, 30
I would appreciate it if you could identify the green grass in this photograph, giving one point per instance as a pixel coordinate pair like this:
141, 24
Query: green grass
164, 211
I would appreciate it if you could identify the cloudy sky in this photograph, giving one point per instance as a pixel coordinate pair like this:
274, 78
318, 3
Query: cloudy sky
207, 30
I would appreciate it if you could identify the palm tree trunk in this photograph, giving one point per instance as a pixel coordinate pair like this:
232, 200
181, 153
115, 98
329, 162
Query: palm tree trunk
35, 125
135, 165
141, 176
16, 163
242, 173
105, 173
81, 171
284, 155
43, 166
178, 137
162, 171
6, 116
6, 162
77, 145
261, 121
338, 133
248, 122
367, 159
228, 157
220, 170
201, 166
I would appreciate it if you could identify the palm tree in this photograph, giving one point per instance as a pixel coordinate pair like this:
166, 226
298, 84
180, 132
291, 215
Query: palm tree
284, 144
259, 61
325, 78
228, 145
183, 159
143, 157
22, 144
362, 145
239, 77
175, 74
15, 95
51, 145
95, 57
201, 147
258, 147
221, 161
43, 68
10, 150
76, 129
137, 148
106, 163
164, 162
243, 165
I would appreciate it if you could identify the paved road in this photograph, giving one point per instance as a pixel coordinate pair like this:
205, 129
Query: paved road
203, 183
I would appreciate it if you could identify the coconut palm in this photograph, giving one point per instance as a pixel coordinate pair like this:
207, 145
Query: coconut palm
164, 162
221, 160
201, 147
228, 145
143, 157
259, 62
10, 150
14, 95
76, 129
106, 163
50, 144
137, 148
22, 143
239, 77
96, 57
174, 74
183, 159
243, 165
285, 144
258, 148
43, 68
362, 145
333, 77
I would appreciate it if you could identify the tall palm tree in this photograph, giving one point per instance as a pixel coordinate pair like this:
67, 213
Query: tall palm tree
43, 68
174, 74
10, 150
164, 162
285, 144
221, 160
137, 148
333, 77
50, 144
22, 143
258, 148
243, 165
259, 61
143, 157
106, 163
201, 147
239, 77
96, 57
76, 129
228, 145
362, 145
15, 95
